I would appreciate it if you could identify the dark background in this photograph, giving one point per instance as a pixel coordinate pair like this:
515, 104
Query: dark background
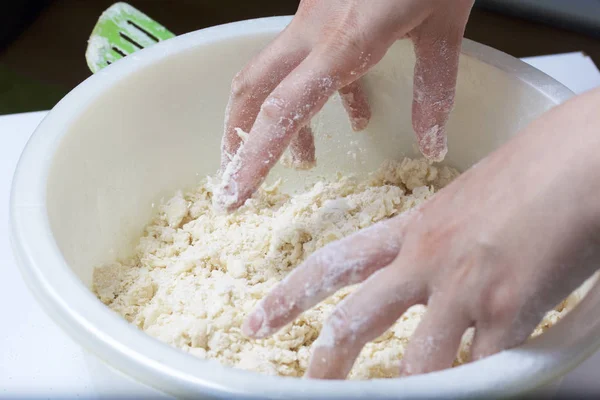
42, 42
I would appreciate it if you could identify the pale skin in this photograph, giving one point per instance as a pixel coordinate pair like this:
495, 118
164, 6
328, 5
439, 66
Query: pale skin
328, 47
495, 250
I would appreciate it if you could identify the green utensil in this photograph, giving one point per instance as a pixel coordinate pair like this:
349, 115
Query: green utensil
120, 31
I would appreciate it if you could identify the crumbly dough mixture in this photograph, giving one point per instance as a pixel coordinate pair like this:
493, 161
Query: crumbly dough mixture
197, 274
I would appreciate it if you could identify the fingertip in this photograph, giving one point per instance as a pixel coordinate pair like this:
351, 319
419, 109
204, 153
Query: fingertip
360, 123
253, 326
298, 164
433, 142
229, 196
330, 363
301, 154
405, 370
226, 196
357, 106
236, 186
436, 341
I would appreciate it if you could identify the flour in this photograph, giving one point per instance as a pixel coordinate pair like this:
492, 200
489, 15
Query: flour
197, 274
97, 47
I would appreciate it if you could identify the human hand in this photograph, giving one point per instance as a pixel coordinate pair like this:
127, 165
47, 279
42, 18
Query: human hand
495, 250
327, 47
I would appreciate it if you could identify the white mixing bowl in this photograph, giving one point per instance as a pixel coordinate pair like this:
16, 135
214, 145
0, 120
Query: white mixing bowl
152, 123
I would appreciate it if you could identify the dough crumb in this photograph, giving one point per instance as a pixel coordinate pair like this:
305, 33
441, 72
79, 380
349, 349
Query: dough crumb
196, 273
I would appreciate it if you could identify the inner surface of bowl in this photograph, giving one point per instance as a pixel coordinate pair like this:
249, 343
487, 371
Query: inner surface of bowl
151, 124
160, 130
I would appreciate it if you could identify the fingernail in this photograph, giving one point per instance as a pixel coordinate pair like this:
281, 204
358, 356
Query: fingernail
254, 323
436, 154
403, 371
359, 123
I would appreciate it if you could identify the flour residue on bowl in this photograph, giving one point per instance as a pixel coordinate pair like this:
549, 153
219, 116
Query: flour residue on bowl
197, 273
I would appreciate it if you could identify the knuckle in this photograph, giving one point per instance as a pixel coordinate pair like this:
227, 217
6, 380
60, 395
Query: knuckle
337, 331
435, 237
484, 271
500, 302
282, 114
345, 48
274, 109
278, 307
478, 257
240, 85
349, 43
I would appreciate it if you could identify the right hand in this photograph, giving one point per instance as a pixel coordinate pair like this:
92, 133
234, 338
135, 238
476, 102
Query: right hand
494, 250
326, 48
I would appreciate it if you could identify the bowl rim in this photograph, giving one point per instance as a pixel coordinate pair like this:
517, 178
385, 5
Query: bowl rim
72, 305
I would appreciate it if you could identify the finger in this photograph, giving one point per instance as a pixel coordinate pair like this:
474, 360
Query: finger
361, 317
495, 336
290, 106
435, 343
302, 150
252, 85
486, 342
437, 48
342, 263
356, 104
302, 146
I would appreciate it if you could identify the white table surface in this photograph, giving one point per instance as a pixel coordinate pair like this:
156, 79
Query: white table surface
38, 359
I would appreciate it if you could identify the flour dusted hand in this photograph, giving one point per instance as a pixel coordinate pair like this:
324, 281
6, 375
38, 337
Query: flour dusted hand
328, 47
495, 250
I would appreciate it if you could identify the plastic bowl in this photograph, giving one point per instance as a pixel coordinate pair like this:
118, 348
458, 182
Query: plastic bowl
151, 124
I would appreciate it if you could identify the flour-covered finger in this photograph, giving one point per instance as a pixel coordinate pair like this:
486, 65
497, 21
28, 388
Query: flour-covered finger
288, 108
361, 317
253, 84
356, 104
437, 45
510, 327
435, 343
342, 263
